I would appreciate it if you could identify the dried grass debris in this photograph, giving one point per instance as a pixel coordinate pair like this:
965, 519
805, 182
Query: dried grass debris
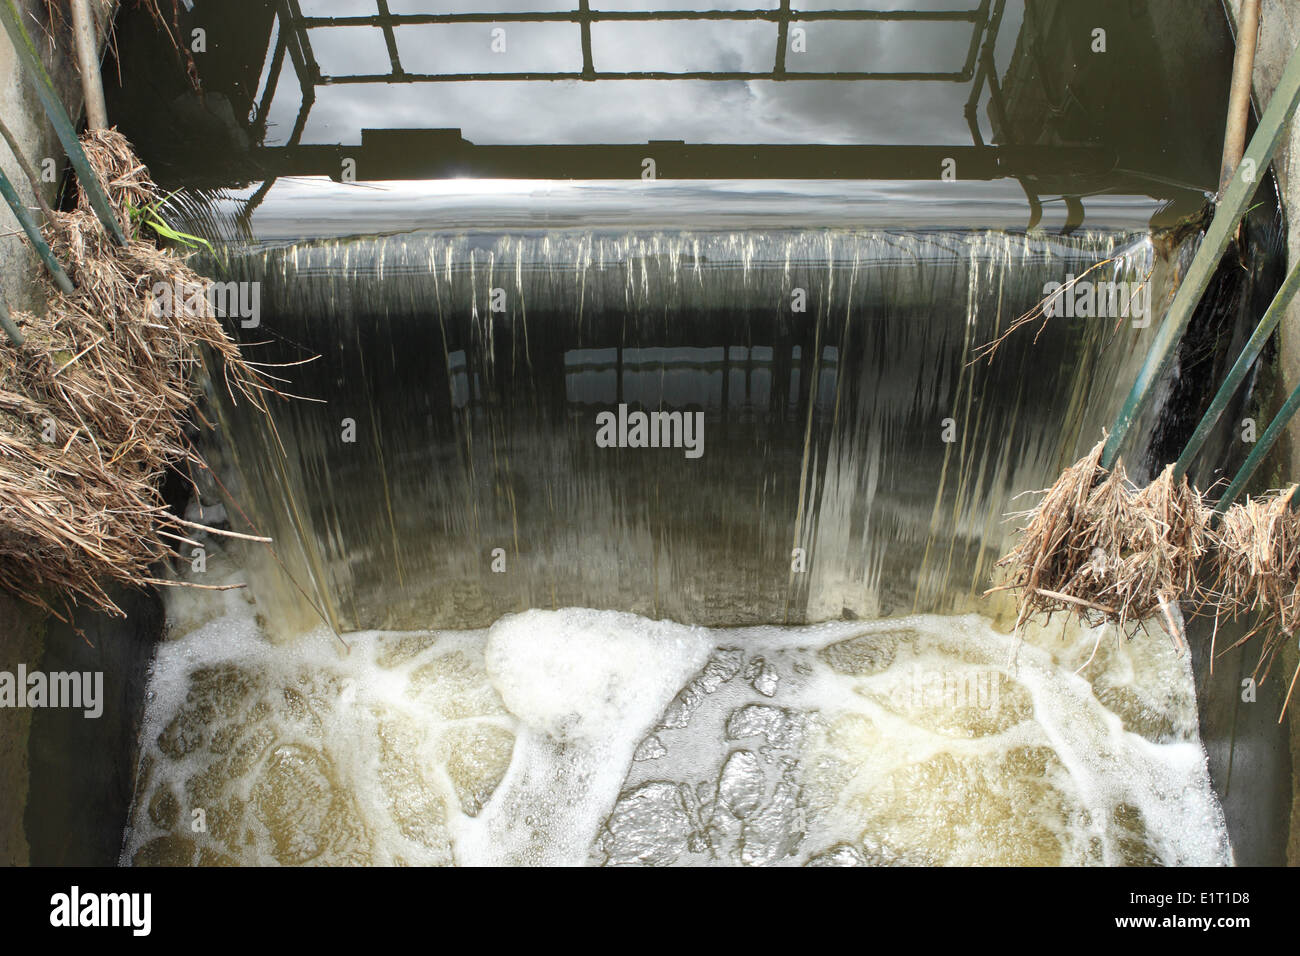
94, 408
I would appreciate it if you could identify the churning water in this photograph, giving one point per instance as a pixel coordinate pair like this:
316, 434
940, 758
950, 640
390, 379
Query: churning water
580, 736
446, 506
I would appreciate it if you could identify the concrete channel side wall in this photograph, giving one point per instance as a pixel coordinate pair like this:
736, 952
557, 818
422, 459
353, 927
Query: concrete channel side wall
1279, 37
23, 629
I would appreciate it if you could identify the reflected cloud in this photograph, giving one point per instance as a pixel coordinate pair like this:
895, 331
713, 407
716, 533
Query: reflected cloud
748, 46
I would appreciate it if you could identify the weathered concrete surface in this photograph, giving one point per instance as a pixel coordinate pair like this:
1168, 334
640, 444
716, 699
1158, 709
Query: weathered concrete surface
81, 771
1250, 759
25, 118
22, 629
1279, 36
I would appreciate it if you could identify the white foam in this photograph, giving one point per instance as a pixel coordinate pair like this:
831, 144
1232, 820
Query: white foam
516, 745
586, 686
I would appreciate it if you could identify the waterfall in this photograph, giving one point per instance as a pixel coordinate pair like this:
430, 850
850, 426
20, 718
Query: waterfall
467, 492
857, 461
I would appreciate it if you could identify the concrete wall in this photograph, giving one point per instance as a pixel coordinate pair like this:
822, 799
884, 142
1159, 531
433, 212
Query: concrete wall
1279, 36
22, 629
81, 771
25, 118
22, 633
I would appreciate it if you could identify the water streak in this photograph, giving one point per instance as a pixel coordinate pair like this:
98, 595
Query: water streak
833, 369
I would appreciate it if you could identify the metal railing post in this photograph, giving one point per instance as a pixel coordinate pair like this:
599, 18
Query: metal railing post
33, 232
1272, 317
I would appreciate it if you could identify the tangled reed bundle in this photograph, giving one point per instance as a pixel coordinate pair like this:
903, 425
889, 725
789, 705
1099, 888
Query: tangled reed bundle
1257, 566
1099, 547
93, 409
1105, 549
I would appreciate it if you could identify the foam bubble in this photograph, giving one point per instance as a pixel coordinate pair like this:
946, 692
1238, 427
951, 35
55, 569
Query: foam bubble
573, 736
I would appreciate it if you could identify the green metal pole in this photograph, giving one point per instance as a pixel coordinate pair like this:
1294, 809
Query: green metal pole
1227, 218
25, 220
7, 324
1262, 447
1239, 371
58, 117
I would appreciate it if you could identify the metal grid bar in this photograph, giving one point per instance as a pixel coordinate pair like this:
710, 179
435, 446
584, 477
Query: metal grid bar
782, 14
584, 17
783, 38
280, 50
991, 31
304, 64
979, 67
390, 38
588, 65
841, 75
988, 73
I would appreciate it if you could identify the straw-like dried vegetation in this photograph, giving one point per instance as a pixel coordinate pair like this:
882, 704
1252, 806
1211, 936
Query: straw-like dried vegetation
1257, 566
94, 407
1051, 304
1100, 548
